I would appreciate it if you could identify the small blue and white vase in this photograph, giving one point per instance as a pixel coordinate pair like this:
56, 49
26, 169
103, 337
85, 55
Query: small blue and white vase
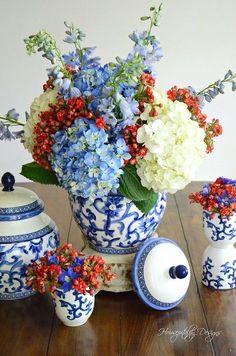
113, 224
219, 258
73, 308
26, 234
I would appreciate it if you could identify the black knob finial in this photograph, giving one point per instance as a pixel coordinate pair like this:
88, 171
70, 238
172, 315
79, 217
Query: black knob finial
8, 181
179, 271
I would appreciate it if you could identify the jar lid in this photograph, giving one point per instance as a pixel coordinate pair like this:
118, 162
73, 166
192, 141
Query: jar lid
17, 203
161, 273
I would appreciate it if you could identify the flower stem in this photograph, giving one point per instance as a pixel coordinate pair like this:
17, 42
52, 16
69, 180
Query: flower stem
228, 80
155, 18
12, 121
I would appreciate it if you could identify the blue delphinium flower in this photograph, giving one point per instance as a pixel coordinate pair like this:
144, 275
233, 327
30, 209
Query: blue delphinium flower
148, 47
127, 91
87, 161
66, 277
216, 88
106, 107
5, 133
206, 189
72, 59
125, 108
52, 259
10, 120
228, 181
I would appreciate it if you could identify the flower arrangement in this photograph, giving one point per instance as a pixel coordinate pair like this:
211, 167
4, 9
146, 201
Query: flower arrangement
99, 129
67, 269
217, 197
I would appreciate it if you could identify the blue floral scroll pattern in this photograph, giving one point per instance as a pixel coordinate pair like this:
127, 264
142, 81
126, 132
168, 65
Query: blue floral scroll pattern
113, 224
14, 258
207, 275
223, 229
81, 306
230, 272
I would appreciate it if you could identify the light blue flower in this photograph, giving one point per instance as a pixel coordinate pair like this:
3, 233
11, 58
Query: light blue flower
91, 159
71, 59
124, 106
91, 165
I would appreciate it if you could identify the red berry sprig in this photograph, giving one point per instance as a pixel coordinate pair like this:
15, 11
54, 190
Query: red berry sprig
89, 272
146, 95
48, 85
217, 197
147, 79
60, 116
135, 149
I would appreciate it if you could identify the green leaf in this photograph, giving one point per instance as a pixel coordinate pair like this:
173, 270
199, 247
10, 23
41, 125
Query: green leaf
36, 173
131, 187
146, 205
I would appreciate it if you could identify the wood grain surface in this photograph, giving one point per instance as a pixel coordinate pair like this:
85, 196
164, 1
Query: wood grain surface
121, 324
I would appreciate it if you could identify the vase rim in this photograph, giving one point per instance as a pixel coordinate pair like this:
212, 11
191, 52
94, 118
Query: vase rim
109, 195
218, 214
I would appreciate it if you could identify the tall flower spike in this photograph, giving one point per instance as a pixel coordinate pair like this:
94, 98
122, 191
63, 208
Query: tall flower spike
216, 88
44, 42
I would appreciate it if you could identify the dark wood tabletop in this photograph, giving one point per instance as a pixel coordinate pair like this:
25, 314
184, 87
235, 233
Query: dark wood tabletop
121, 324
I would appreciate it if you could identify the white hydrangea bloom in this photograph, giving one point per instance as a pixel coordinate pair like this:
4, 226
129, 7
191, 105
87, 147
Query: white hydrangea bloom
176, 147
162, 103
39, 104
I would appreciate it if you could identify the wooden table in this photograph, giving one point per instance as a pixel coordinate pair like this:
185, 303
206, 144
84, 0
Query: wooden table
121, 324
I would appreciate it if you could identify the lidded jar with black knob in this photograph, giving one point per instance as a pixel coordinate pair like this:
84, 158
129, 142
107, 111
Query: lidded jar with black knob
26, 234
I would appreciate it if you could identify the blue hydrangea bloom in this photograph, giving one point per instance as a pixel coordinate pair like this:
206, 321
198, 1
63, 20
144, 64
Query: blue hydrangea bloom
87, 161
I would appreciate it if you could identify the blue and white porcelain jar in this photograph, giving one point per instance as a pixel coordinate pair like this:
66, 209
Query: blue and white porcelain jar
219, 258
113, 224
72, 307
26, 233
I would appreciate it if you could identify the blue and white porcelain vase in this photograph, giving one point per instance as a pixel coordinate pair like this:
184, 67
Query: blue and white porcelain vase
113, 224
219, 258
72, 307
26, 233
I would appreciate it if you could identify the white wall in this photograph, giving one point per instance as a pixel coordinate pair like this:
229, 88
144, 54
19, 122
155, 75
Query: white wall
198, 38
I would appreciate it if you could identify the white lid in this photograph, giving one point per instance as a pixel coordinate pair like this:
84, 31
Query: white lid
161, 273
17, 203
18, 197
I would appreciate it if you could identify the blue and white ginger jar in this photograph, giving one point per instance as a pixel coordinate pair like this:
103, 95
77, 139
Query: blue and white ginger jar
113, 224
26, 233
219, 258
